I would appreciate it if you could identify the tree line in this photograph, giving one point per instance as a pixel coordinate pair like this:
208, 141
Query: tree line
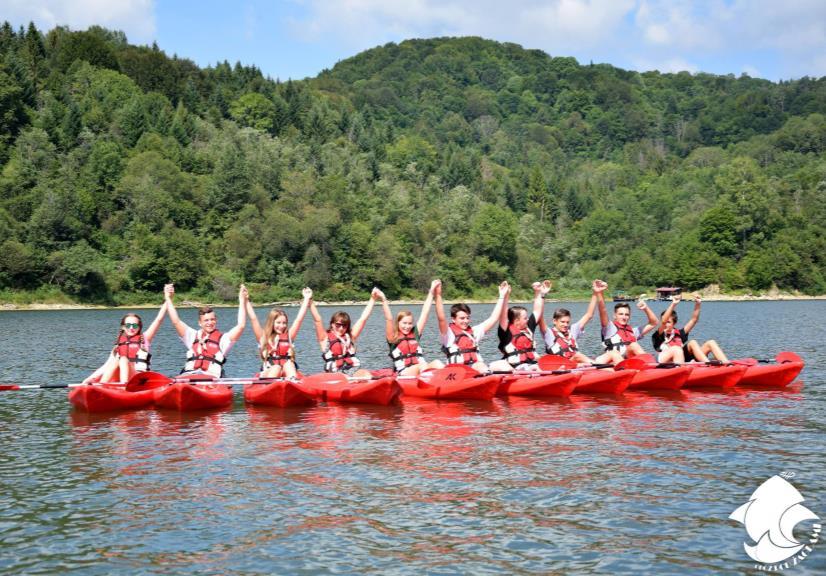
122, 169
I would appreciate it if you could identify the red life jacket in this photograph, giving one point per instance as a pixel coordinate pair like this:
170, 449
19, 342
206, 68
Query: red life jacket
520, 350
405, 352
673, 339
620, 340
278, 355
132, 347
562, 346
464, 349
340, 355
205, 354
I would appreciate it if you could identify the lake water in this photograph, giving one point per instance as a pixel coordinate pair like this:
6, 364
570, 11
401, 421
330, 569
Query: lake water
638, 483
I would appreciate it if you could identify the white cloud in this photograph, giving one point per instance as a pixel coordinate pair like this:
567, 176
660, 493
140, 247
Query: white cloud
135, 17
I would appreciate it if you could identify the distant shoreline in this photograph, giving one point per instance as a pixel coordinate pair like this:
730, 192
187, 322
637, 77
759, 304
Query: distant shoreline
189, 304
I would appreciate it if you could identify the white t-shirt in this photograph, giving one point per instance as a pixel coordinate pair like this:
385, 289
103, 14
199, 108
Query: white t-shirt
574, 331
449, 338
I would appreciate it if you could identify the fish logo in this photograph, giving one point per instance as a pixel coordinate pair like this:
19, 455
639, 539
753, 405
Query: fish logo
770, 516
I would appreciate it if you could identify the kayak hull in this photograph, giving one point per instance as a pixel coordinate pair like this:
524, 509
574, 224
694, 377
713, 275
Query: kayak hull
555, 385
661, 378
774, 375
102, 398
186, 397
281, 393
715, 376
471, 388
381, 391
604, 381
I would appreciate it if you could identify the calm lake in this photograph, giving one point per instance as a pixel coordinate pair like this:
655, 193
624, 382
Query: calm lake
639, 483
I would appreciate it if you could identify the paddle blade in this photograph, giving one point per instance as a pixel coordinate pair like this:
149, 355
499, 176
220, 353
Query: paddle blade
634, 363
646, 358
450, 375
9, 387
788, 357
554, 362
146, 381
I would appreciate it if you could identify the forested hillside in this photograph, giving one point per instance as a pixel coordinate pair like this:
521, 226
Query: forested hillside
122, 168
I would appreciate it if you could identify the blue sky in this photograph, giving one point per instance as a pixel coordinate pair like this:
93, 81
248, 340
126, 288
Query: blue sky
298, 38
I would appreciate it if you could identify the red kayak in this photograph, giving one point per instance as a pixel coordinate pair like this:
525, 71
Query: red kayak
339, 388
779, 374
183, 396
103, 398
666, 378
604, 381
539, 385
469, 388
281, 393
715, 376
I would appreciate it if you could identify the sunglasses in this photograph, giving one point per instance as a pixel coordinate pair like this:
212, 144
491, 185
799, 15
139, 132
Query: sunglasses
340, 324
131, 325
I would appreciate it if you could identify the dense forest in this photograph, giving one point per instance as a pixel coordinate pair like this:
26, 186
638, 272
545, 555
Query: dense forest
122, 168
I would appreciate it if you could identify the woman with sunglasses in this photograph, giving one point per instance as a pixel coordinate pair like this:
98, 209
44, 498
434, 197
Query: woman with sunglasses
275, 341
338, 340
131, 351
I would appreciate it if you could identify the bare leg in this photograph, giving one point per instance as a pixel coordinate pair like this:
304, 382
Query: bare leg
412, 370
711, 347
111, 372
288, 370
497, 366
362, 373
434, 365
634, 349
696, 351
610, 357
481, 366
671, 354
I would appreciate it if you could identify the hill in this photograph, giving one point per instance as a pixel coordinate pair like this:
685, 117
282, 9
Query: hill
122, 168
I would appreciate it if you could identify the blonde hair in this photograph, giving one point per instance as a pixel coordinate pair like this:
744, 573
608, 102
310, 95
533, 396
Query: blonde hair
269, 333
396, 332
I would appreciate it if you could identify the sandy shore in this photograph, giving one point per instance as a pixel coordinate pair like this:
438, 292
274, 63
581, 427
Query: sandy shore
707, 297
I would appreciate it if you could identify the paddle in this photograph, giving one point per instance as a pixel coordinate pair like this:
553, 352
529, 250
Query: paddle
146, 381
52, 386
451, 374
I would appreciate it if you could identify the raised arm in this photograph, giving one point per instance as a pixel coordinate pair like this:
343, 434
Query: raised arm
256, 325
652, 318
235, 332
307, 293
150, 332
695, 315
389, 328
603, 313
503, 312
540, 289
597, 288
368, 309
180, 326
544, 288
428, 303
493, 319
320, 332
666, 316
440, 311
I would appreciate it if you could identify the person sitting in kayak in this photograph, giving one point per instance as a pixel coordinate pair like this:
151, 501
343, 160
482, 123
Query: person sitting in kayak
617, 334
275, 341
516, 331
338, 341
460, 341
561, 336
130, 354
404, 336
207, 347
673, 344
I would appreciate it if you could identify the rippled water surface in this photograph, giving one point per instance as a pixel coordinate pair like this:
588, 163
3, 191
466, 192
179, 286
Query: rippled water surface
638, 483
